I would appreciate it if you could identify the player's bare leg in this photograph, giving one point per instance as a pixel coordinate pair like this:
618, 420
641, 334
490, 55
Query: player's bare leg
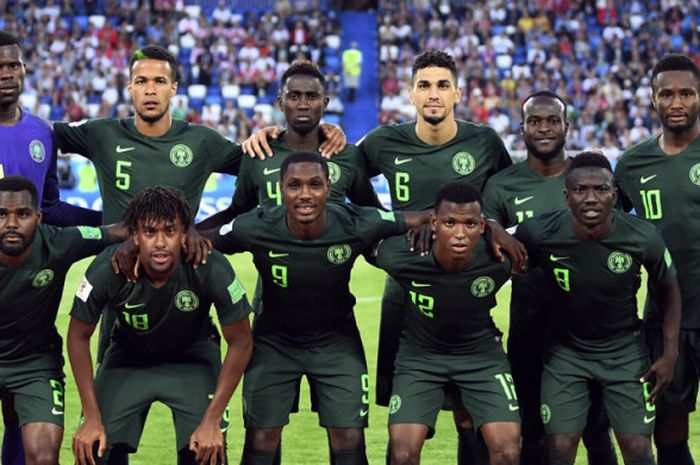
407, 441
562, 448
503, 441
599, 446
261, 446
42, 442
347, 446
635, 448
671, 439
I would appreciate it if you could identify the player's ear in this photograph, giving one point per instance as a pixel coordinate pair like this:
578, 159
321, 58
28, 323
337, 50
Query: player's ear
458, 94
325, 102
135, 238
482, 223
39, 215
433, 221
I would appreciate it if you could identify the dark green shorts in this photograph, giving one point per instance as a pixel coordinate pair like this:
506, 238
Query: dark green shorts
36, 382
126, 388
679, 398
483, 379
337, 373
566, 391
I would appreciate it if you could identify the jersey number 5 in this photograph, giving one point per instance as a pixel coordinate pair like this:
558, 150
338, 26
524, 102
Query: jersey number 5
123, 178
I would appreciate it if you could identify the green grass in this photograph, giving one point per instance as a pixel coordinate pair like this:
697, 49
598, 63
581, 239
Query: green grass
304, 441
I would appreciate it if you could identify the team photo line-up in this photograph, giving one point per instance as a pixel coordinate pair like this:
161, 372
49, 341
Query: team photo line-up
464, 221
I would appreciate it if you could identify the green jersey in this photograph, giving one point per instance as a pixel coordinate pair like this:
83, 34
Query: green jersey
258, 182
154, 323
127, 162
449, 312
31, 293
510, 197
415, 170
592, 283
306, 297
665, 190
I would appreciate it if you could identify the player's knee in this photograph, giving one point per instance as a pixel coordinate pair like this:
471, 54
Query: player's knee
263, 440
403, 454
562, 447
597, 439
42, 455
635, 447
507, 453
346, 439
672, 429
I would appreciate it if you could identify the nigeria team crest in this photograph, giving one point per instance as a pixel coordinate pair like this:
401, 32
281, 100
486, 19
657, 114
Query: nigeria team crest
545, 413
619, 262
394, 404
334, 172
43, 278
181, 155
483, 286
694, 174
186, 301
463, 162
37, 150
338, 254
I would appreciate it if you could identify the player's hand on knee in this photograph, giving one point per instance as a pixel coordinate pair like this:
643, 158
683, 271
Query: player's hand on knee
334, 140
207, 442
197, 247
661, 373
256, 145
84, 439
125, 260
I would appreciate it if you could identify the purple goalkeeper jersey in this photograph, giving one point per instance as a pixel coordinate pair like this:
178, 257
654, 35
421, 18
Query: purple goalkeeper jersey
27, 149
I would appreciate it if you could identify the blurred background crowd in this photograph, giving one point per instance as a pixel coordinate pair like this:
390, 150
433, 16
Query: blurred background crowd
597, 54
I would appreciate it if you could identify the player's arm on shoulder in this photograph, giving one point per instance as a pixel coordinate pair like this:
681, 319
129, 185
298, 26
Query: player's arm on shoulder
244, 199
226, 155
334, 140
361, 191
501, 242
231, 237
257, 146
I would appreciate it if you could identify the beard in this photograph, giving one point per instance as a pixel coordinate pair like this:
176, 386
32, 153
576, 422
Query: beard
16, 249
544, 156
681, 128
434, 120
304, 129
153, 118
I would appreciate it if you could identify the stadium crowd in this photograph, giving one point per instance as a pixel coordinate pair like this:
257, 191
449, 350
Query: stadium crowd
77, 63
597, 53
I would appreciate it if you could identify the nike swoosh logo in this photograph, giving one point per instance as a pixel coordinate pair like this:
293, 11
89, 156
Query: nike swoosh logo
648, 420
129, 306
519, 201
554, 258
513, 408
646, 179
267, 171
56, 411
417, 284
400, 161
272, 254
121, 149
364, 412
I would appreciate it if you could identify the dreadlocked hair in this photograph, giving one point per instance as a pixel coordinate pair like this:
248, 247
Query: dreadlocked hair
160, 203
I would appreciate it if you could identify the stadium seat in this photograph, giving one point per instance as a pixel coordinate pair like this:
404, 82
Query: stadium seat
193, 11
56, 113
98, 21
213, 100
332, 119
247, 102
214, 90
197, 104
230, 91
197, 91
82, 21
93, 109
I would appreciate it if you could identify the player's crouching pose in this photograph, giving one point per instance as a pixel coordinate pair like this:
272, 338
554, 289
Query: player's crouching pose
449, 337
590, 255
164, 345
34, 260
